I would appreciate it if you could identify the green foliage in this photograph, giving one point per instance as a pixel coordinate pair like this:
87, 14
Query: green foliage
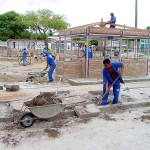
93, 42
44, 21
148, 28
79, 39
10, 27
33, 25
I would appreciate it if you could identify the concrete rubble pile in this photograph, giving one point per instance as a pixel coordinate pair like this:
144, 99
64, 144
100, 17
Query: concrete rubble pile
44, 98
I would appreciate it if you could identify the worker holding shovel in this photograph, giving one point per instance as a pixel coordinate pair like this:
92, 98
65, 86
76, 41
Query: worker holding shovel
50, 64
112, 73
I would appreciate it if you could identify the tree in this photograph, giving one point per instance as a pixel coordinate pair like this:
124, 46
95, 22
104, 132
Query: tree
10, 27
93, 42
44, 22
148, 28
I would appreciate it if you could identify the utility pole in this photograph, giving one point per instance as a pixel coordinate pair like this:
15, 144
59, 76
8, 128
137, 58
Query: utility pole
136, 12
136, 18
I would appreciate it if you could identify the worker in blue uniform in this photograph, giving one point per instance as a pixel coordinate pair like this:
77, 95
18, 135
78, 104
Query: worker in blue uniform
89, 50
50, 60
90, 55
111, 22
24, 56
111, 71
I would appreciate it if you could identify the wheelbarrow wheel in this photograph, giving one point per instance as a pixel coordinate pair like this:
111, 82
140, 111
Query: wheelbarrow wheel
27, 120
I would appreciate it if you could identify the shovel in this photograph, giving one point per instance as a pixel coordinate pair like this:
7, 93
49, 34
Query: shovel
99, 102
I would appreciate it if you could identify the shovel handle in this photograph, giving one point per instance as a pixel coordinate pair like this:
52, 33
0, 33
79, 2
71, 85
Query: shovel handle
108, 89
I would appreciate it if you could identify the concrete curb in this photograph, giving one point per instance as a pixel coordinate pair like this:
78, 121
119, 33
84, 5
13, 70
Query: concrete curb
74, 82
115, 108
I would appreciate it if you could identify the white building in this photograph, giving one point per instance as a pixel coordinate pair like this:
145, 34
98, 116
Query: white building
19, 44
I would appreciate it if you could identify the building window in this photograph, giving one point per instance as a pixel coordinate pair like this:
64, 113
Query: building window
14, 45
142, 46
146, 46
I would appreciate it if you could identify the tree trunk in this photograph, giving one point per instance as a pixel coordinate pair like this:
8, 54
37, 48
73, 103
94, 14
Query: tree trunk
46, 43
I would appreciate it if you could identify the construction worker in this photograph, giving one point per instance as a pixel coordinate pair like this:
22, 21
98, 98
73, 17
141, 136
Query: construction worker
90, 54
24, 55
50, 60
111, 22
111, 71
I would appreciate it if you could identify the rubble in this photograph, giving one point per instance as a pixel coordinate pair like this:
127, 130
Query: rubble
44, 98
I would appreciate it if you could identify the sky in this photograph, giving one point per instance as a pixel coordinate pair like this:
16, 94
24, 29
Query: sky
80, 12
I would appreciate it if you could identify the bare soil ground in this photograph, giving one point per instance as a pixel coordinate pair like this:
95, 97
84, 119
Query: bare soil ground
120, 131
108, 131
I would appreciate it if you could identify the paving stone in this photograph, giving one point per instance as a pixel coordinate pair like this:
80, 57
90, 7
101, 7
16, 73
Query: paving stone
86, 111
5, 112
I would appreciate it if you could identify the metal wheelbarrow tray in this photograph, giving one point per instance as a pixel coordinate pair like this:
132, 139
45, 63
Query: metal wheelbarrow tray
39, 112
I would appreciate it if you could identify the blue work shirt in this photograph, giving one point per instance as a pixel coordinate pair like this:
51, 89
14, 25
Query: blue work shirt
112, 20
50, 60
90, 53
44, 52
106, 75
24, 53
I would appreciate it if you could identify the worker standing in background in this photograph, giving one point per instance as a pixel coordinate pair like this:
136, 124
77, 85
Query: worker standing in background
50, 60
111, 22
90, 55
111, 71
24, 56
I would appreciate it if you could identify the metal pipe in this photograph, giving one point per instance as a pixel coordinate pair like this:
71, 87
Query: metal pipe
148, 55
137, 48
71, 49
104, 35
104, 50
65, 48
86, 64
127, 48
111, 50
136, 12
59, 46
120, 45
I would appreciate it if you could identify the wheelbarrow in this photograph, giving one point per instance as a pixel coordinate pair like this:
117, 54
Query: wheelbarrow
38, 112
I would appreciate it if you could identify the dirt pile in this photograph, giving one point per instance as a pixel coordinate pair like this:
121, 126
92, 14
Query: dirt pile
44, 98
52, 133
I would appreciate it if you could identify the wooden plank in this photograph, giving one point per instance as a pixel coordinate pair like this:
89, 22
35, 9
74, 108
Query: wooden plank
117, 32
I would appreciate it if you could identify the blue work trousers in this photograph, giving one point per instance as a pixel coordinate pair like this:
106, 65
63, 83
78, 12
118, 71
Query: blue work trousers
24, 61
111, 37
50, 72
116, 91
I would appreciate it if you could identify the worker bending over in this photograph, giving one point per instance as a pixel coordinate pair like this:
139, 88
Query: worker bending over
50, 63
111, 71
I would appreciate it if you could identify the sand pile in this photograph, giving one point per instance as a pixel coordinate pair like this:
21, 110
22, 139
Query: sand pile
44, 98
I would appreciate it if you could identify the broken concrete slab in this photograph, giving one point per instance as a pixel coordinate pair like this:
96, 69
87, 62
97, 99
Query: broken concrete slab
86, 111
5, 112
123, 107
12, 87
92, 110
